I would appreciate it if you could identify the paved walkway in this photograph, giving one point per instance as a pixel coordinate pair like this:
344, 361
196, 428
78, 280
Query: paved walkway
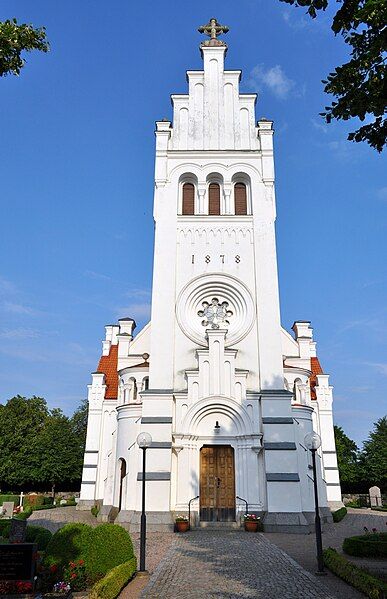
230, 565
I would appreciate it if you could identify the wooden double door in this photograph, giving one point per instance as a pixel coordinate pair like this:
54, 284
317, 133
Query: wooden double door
217, 483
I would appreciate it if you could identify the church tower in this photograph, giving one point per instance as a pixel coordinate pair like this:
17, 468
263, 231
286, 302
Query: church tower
227, 395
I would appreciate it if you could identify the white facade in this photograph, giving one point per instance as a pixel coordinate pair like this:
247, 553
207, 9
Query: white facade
239, 381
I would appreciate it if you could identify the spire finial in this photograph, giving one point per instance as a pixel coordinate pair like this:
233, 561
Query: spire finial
213, 29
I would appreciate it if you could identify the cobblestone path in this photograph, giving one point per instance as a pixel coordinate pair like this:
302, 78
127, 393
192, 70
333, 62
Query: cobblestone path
230, 565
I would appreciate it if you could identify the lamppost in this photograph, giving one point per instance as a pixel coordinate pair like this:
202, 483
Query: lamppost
313, 441
144, 440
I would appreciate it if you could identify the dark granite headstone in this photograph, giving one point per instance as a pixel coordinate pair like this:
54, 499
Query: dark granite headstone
17, 562
18, 531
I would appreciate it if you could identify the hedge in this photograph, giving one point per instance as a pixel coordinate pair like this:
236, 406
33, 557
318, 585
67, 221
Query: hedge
370, 545
110, 546
102, 548
339, 514
68, 544
14, 498
39, 535
110, 586
33, 501
25, 514
360, 579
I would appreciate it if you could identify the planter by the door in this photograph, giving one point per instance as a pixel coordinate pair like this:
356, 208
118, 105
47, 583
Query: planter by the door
251, 526
182, 525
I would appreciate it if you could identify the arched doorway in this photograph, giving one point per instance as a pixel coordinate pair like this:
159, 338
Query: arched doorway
217, 483
122, 476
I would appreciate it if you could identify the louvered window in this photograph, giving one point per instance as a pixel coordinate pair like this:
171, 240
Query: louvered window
240, 197
214, 199
188, 199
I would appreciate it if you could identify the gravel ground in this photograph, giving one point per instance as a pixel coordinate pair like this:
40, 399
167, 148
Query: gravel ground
303, 548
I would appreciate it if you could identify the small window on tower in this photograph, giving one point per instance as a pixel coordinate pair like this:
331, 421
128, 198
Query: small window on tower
188, 199
214, 199
240, 198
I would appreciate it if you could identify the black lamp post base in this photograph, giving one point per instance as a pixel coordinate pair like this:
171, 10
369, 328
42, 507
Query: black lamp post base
142, 573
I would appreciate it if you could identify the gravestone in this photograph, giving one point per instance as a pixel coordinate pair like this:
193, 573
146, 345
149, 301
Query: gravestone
18, 530
8, 507
375, 497
17, 562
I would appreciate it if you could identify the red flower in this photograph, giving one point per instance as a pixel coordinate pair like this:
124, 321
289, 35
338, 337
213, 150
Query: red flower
72, 565
81, 562
53, 568
73, 575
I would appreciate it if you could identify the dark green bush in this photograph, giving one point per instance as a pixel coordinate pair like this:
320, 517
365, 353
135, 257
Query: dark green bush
362, 581
26, 513
380, 508
48, 501
39, 535
110, 586
68, 544
44, 507
5, 527
370, 545
339, 514
110, 546
95, 510
14, 498
355, 503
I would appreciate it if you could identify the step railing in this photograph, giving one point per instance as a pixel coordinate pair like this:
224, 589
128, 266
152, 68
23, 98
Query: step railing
189, 510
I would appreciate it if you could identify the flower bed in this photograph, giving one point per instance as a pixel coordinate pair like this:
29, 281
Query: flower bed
357, 577
368, 545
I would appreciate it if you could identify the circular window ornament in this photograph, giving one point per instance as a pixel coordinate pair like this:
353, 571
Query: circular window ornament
219, 294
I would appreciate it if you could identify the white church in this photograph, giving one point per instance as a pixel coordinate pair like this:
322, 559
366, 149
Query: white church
226, 393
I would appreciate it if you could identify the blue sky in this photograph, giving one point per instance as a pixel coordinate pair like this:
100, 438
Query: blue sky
76, 166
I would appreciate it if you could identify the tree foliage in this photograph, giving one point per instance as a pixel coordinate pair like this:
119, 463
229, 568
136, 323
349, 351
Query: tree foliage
347, 457
373, 458
39, 446
14, 39
359, 85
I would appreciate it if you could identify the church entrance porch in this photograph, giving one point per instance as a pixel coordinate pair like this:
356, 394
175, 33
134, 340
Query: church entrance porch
217, 483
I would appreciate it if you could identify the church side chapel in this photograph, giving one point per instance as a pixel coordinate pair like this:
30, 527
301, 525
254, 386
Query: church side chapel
226, 393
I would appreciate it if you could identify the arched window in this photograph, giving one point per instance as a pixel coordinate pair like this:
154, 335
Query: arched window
145, 383
188, 199
240, 199
214, 199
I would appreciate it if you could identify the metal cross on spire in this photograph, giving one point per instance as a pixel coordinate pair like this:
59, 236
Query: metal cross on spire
213, 29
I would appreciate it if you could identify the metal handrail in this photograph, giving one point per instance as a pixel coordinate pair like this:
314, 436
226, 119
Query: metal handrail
189, 510
244, 500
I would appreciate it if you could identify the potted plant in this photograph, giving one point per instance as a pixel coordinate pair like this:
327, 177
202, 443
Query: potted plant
182, 523
252, 522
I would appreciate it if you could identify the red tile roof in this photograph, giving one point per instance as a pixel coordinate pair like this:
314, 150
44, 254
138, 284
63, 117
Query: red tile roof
108, 365
316, 369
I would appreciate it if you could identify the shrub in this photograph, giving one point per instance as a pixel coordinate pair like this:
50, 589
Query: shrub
33, 501
355, 503
5, 527
95, 510
44, 507
339, 514
39, 535
25, 514
75, 575
68, 544
110, 546
380, 508
369, 545
360, 579
14, 498
112, 584
48, 501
